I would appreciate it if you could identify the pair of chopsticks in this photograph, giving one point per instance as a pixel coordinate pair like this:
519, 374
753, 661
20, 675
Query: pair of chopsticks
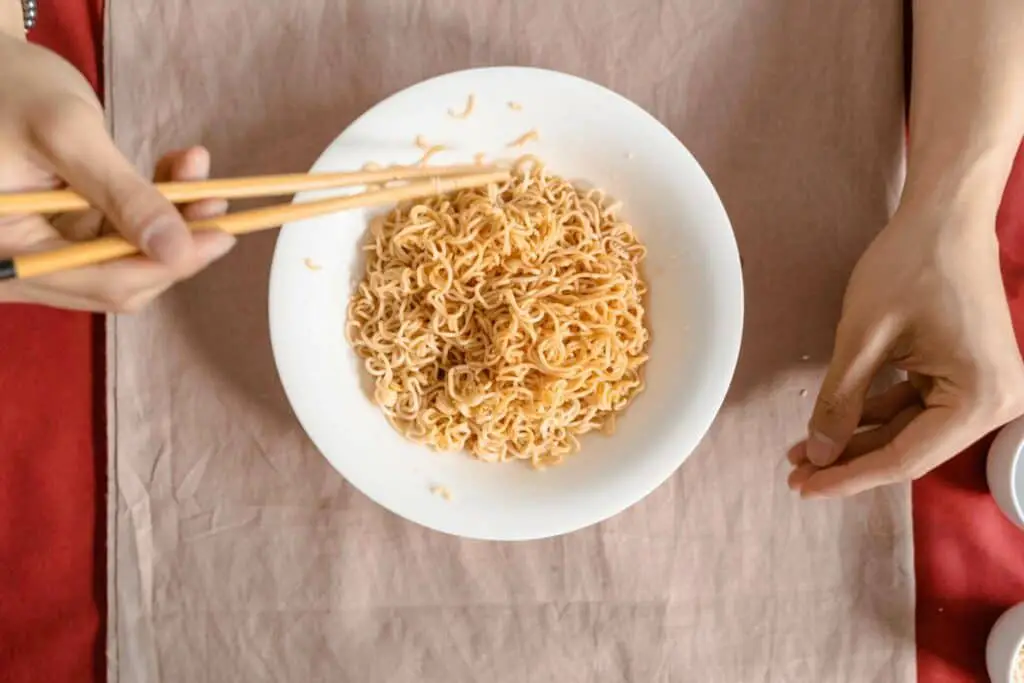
424, 182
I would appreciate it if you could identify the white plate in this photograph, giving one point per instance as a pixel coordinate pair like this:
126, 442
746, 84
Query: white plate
695, 308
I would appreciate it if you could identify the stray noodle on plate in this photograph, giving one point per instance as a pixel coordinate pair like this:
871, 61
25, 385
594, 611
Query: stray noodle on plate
464, 114
441, 491
528, 136
431, 151
506, 320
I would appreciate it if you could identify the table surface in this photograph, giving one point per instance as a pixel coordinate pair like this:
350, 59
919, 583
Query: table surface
52, 476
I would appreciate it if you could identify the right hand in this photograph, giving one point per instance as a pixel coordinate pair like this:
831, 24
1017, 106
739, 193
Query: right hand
926, 298
52, 133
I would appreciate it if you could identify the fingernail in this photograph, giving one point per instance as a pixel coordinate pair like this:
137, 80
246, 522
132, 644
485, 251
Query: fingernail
166, 240
212, 208
820, 450
196, 164
216, 246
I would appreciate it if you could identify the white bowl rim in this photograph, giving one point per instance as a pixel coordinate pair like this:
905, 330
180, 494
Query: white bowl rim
1017, 646
1014, 428
1016, 495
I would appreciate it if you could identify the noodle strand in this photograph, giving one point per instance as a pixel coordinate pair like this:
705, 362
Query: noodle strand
505, 320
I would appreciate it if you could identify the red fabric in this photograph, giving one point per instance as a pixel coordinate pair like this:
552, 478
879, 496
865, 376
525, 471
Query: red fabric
969, 557
74, 29
970, 560
51, 466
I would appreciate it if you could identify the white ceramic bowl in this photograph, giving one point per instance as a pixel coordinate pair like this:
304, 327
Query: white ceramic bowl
695, 307
1005, 470
1005, 642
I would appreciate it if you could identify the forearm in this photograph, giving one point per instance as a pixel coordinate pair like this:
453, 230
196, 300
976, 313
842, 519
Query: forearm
967, 97
11, 19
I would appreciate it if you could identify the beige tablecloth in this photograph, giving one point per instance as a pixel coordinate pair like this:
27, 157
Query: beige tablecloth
237, 554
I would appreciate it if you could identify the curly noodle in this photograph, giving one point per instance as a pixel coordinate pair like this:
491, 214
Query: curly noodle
506, 320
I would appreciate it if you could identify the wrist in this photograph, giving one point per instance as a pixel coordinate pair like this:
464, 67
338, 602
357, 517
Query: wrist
968, 180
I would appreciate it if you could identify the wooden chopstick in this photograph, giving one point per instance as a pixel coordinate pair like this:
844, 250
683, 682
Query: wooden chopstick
112, 247
58, 201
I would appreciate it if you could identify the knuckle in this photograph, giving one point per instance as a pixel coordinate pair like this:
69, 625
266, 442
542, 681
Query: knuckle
118, 300
1008, 404
915, 470
136, 208
903, 469
918, 473
859, 325
131, 306
907, 464
996, 403
59, 121
902, 466
852, 332
142, 299
832, 405
906, 468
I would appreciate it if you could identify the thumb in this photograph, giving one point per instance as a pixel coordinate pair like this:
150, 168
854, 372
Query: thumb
82, 153
860, 350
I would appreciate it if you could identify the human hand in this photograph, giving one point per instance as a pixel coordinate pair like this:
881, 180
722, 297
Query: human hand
927, 298
51, 132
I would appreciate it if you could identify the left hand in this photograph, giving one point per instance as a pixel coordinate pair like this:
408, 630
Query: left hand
927, 298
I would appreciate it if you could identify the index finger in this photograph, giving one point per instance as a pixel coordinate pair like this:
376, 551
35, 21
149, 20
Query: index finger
931, 438
82, 153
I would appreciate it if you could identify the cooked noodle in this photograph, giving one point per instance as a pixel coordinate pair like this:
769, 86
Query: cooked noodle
464, 114
434, 149
506, 320
442, 491
528, 136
